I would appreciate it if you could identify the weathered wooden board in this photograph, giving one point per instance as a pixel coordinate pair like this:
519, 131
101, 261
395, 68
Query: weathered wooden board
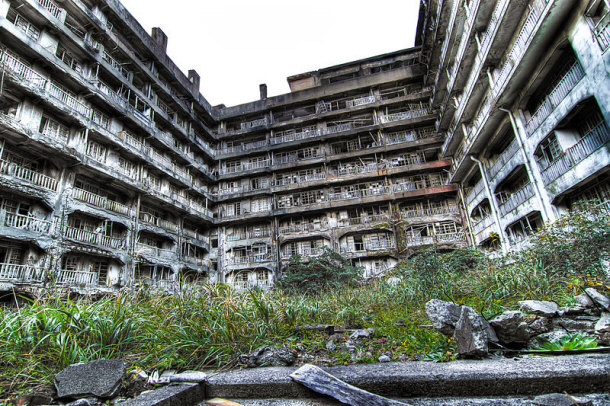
322, 382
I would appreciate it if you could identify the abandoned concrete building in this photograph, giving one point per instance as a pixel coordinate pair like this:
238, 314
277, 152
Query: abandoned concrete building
115, 171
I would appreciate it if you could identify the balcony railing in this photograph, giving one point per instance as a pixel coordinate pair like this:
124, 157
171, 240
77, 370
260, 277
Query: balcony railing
76, 278
91, 237
517, 198
476, 190
295, 136
18, 273
364, 220
144, 249
115, 65
245, 285
254, 123
194, 260
305, 252
303, 228
297, 179
366, 247
28, 223
100, 201
415, 241
483, 224
68, 99
17, 67
446, 209
601, 31
504, 157
590, 143
51, 7
28, 175
555, 96
415, 112
249, 259
159, 222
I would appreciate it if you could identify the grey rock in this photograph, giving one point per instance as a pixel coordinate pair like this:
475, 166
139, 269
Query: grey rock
554, 335
539, 307
84, 402
540, 325
603, 324
101, 378
361, 334
511, 327
584, 300
598, 298
443, 315
573, 310
574, 324
471, 334
385, 358
331, 346
603, 339
559, 399
267, 356
189, 376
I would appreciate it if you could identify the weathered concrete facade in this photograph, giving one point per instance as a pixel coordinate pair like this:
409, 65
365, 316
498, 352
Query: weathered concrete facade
115, 171
522, 89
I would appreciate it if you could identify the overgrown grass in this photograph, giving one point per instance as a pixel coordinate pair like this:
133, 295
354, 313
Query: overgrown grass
211, 326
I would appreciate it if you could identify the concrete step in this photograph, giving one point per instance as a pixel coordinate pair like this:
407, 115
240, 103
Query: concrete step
594, 399
474, 382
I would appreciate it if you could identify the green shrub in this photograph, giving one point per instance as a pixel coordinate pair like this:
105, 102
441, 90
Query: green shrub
325, 271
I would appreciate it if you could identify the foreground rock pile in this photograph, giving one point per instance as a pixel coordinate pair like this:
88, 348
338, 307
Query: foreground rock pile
535, 323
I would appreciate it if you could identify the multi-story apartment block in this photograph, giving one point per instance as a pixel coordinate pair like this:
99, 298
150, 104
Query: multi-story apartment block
115, 171
523, 93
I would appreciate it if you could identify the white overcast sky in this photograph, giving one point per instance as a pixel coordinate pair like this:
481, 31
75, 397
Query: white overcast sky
237, 44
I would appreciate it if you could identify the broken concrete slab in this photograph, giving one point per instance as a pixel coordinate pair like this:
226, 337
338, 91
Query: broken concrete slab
472, 334
101, 378
170, 395
539, 307
530, 375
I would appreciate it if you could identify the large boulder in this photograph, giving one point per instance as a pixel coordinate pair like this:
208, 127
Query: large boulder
511, 328
472, 334
584, 300
602, 329
101, 379
598, 298
443, 315
539, 307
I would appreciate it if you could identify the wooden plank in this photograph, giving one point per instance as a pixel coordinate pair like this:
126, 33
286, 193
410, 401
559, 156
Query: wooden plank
319, 381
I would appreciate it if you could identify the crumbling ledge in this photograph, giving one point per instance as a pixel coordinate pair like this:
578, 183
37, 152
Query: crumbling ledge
530, 375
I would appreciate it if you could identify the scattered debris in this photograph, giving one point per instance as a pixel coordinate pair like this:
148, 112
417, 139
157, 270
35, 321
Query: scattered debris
322, 382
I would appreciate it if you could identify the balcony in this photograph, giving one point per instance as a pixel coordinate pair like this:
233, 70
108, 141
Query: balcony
95, 238
304, 228
517, 198
244, 147
483, 224
100, 201
244, 166
555, 96
144, 249
503, 158
158, 222
116, 65
366, 247
76, 278
303, 252
299, 179
28, 175
476, 190
448, 238
445, 209
194, 260
364, 220
601, 32
249, 259
28, 223
290, 136
52, 8
591, 142
246, 285
17, 273
413, 112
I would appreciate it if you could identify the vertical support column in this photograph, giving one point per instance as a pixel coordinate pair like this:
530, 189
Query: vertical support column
468, 220
494, 206
532, 168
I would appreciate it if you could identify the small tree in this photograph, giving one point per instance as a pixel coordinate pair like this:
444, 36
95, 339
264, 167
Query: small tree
327, 270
